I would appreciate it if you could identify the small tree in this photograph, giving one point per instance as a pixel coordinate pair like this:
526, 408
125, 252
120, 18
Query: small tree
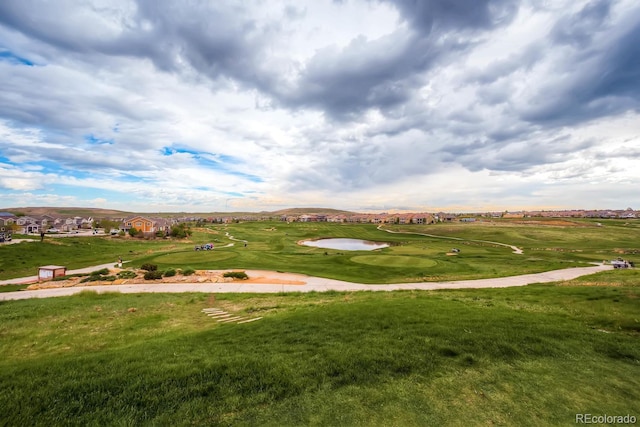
133, 232
153, 275
180, 231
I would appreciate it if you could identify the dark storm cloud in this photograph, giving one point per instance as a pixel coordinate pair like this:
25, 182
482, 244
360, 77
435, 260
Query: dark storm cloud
384, 73
578, 29
217, 40
428, 15
224, 41
602, 79
366, 74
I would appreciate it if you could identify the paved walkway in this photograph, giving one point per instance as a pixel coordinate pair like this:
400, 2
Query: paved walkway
310, 284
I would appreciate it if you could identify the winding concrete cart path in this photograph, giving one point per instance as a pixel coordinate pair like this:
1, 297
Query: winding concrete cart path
515, 249
306, 284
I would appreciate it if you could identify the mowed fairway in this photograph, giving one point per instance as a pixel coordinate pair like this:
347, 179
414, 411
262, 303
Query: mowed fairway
394, 261
519, 356
411, 257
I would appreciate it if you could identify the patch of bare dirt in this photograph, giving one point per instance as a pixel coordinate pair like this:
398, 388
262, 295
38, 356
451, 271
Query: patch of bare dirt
272, 281
200, 276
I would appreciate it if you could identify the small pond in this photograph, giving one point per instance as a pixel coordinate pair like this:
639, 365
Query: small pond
345, 244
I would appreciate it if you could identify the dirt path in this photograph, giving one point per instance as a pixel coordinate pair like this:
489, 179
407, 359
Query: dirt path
516, 250
274, 282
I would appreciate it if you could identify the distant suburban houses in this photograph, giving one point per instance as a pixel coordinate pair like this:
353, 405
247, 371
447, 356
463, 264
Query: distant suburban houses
25, 224
147, 225
35, 224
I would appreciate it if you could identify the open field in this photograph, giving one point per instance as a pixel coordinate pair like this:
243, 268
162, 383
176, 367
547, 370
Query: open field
410, 258
519, 356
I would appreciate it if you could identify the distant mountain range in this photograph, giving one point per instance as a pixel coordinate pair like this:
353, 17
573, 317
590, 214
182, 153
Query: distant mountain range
66, 211
106, 213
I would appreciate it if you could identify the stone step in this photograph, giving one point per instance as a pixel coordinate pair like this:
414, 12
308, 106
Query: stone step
211, 310
250, 320
217, 316
231, 319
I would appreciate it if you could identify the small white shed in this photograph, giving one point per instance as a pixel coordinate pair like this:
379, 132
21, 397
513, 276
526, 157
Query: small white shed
49, 272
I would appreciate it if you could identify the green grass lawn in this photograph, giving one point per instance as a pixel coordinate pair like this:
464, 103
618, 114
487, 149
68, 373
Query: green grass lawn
534, 355
410, 258
23, 259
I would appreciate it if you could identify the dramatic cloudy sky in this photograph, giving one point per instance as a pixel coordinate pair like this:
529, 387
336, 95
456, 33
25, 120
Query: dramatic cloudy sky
367, 105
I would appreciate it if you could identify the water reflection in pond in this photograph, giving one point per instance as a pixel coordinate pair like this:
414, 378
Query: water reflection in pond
345, 244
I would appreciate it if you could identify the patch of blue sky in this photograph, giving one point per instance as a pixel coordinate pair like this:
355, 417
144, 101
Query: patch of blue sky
87, 193
219, 158
12, 58
6, 161
126, 177
233, 194
94, 140
212, 161
252, 178
49, 166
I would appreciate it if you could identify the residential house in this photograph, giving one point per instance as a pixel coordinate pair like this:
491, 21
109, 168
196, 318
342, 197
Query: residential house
7, 218
46, 221
6, 226
513, 215
146, 225
422, 218
32, 227
28, 224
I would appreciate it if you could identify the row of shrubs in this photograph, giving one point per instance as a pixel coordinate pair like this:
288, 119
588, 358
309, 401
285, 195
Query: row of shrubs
236, 275
102, 274
151, 273
155, 274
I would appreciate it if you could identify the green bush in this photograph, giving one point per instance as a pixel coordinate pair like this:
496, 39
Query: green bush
170, 272
100, 272
236, 275
188, 272
126, 274
152, 275
180, 231
149, 267
97, 277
